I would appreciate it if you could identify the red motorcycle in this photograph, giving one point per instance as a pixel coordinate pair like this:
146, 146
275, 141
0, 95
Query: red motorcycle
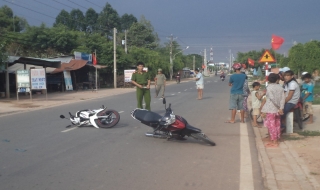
169, 126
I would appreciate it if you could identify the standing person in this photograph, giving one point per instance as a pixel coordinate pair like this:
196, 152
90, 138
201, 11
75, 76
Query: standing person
236, 93
199, 83
307, 96
246, 92
141, 79
273, 107
256, 97
160, 83
292, 94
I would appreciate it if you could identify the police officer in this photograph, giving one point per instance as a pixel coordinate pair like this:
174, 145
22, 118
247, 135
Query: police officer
141, 79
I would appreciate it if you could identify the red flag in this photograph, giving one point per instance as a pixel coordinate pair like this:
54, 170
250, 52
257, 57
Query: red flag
244, 66
94, 59
251, 62
276, 42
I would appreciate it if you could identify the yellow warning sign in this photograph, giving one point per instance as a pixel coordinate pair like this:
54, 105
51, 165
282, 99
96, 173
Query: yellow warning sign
267, 57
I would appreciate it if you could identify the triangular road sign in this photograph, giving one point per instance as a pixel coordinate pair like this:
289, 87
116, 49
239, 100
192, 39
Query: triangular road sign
267, 57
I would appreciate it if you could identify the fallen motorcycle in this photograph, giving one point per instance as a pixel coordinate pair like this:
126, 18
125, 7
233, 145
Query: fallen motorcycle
169, 126
99, 118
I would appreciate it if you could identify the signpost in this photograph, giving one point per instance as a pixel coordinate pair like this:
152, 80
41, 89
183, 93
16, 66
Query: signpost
23, 82
128, 74
267, 58
68, 80
38, 80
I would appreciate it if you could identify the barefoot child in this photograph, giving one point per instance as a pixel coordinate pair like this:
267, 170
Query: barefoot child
273, 107
256, 102
307, 96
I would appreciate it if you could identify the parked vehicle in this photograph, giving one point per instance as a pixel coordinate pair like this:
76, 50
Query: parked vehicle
169, 126
99, 118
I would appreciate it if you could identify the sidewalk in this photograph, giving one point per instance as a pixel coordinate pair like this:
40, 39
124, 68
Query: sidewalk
12, 106
283, 168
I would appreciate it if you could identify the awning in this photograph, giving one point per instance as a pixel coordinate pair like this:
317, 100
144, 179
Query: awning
35, 61
71, 66
20, 66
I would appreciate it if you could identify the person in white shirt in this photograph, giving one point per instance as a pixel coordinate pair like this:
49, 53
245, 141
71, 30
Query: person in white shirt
199, 83
292, 94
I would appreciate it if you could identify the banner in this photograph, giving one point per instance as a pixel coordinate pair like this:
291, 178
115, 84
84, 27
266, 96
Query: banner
83, 56
128, 74
67, 80
38, 79
23, 79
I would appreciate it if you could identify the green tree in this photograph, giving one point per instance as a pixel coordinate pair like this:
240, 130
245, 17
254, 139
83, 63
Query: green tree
141, 34
64, 19
108, 19
91, 18
10, 22
77, 20
127, 20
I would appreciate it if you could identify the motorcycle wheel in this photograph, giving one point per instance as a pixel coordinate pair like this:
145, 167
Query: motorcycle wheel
203, 137
108, 122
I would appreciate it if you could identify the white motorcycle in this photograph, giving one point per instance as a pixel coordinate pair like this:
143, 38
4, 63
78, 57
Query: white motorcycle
99, 118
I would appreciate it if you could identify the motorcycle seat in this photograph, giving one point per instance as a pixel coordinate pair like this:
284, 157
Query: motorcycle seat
147, 116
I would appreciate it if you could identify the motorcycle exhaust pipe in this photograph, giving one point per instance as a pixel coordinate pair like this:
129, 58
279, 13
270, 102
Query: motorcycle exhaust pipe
156, 135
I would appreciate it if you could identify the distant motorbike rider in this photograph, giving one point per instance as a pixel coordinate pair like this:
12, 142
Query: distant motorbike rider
178, 77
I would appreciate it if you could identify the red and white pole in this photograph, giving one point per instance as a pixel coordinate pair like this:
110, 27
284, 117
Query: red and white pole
267, 71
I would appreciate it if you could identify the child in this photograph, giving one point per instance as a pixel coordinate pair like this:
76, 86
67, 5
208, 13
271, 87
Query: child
273, 107
256, 102
307, 96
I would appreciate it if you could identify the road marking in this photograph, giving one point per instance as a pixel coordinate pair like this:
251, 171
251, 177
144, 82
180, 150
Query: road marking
246, 177
185, 89
172, 94
73, 128
120, 111
215, 81
179, 92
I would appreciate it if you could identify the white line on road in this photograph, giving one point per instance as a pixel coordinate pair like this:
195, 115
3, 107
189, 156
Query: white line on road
246, 177
172, 94
179, 92
185, 89
120, 111
73, 128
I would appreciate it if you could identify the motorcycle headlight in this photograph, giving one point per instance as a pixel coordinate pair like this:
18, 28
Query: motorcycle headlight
170, 119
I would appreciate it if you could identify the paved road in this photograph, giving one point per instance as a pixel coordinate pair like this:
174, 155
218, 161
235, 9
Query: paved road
36, 151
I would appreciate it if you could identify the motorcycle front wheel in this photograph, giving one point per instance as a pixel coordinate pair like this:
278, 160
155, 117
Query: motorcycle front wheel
111, 121
203, 137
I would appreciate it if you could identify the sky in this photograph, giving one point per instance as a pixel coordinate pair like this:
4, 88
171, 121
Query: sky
223, 25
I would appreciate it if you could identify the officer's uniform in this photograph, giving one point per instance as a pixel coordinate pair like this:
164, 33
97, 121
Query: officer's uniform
142, 79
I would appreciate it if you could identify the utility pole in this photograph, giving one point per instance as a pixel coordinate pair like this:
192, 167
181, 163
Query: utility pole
205, 63
125, 40
230, 60
194, 62
115, 57
95, 55
171, 58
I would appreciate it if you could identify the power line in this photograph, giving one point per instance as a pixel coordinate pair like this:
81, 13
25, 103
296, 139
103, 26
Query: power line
62, 4
78, 4
93, 3
47, 5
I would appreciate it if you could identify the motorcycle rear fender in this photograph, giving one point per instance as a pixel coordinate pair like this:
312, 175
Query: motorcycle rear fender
94, 117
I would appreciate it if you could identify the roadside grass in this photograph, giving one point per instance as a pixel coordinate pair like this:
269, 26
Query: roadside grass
291, 138
309, 133
316, 92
